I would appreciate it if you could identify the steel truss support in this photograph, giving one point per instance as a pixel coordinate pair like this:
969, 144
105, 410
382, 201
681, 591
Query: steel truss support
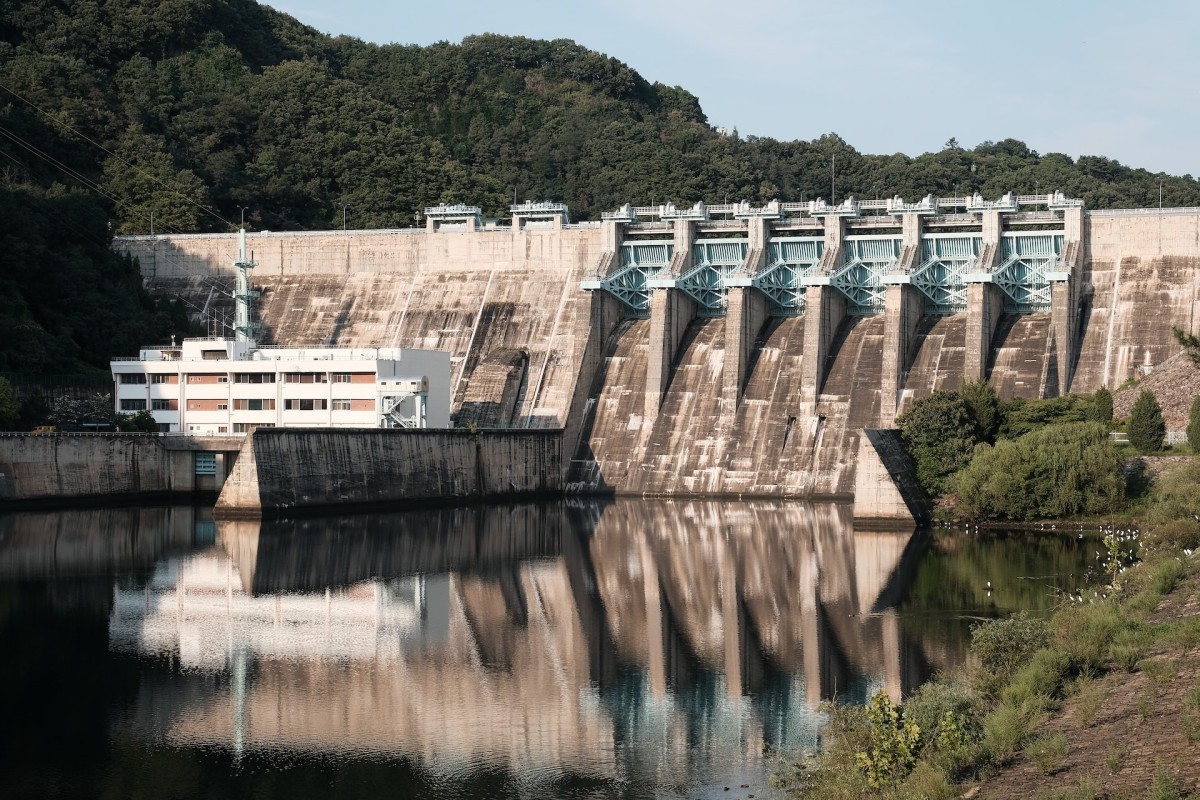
945, 260
1027, 261
860, 279
788, 261
640, 262
712, 262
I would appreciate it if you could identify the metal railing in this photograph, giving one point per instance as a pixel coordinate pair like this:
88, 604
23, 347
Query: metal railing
1135, 212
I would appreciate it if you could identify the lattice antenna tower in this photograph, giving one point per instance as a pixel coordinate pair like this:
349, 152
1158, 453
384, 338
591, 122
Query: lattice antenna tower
243, 327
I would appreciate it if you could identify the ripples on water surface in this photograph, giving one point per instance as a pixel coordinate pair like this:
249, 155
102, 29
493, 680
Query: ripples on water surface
572, 650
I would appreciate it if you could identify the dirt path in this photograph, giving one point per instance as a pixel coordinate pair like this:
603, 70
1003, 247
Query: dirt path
1135, 738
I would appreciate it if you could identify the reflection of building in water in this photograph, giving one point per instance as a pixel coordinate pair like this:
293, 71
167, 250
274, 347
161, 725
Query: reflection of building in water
665, 636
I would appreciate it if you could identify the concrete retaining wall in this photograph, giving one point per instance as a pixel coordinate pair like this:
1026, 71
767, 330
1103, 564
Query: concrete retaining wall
885, 483
48, 469
286, 471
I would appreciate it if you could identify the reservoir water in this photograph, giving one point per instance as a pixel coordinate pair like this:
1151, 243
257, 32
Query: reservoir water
579, 649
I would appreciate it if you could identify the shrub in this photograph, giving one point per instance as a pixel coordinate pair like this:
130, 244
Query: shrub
927, 782
1047, 752
1003, 732
1026, 416
1191, 714
939, 434
1173, 517
950, 723
892, 747
1005, 645
1193, 428
1086, 633
1089, 701
1057, 471
1147, 429
1102, 406
1039, 682
1129, 645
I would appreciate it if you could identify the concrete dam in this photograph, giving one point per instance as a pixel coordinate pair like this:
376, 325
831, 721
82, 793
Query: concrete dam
724, 350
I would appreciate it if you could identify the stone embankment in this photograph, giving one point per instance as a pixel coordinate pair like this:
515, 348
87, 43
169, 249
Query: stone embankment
1175, 384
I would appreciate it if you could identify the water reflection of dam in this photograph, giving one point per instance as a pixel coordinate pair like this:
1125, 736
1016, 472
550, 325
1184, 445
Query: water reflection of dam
595, 639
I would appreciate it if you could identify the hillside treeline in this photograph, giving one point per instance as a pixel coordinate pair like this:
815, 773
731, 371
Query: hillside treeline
189, 111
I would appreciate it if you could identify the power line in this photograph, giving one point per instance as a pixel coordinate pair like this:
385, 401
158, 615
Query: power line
132, 166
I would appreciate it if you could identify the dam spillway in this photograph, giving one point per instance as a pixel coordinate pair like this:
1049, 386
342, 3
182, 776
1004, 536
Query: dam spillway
728, 349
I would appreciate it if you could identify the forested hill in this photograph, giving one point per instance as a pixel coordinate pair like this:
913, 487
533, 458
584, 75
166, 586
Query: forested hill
189, 110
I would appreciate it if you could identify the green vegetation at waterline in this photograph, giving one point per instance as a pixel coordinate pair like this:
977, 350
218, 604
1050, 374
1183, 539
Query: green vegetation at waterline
1057, 471
1029, 459
962, 727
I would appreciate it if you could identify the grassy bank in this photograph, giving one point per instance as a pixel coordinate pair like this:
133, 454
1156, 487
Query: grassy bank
1024, 719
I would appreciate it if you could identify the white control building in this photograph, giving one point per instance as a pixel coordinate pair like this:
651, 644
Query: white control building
226, 387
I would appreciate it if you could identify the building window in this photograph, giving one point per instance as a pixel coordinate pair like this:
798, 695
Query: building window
254, 404
305, 404
222, 406
223, 429
207, 378
165, 427
159, 378
342, 377
212, 355
133, 377
305, 377
206, 463
341, 405
254, 377
163, 405
133, 405
248, 427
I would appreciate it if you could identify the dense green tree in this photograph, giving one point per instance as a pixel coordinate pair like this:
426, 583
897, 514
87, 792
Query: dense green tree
984, 407
939, 433
10, 407
1102, 406
1190, 343
1056, 471
1193, 428
1023, 416
1147, 429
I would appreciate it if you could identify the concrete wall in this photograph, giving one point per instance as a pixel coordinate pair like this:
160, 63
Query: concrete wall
468, 293
47, 470
291, 470
885, 484
1140, 278
676, 405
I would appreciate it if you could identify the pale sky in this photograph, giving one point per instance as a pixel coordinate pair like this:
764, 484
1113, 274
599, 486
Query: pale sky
1083, 77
